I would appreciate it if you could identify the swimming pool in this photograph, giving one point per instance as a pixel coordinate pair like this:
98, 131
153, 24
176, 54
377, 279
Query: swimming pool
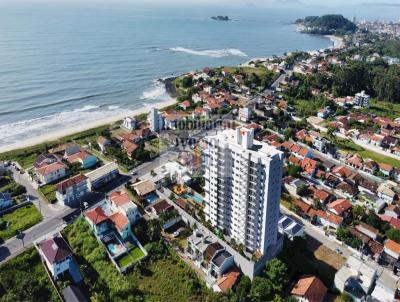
115, 249
152, 198
196, 198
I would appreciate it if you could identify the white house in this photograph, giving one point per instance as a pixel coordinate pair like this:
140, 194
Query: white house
386, 193
121, 202
356, 277
56, 254
52, 172
290, 228
130, 123
71, 191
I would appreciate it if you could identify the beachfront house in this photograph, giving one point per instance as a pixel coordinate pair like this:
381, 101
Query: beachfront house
84, 158
52, 172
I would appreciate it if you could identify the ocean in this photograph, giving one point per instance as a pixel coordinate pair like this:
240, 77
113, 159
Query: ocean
64, 65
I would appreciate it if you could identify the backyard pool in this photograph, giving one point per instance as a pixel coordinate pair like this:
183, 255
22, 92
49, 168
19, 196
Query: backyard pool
196, 198
115, 249
152, 198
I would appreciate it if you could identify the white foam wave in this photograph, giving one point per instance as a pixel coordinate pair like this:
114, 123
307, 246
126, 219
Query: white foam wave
113, 107
157, 92
20, 131
86, 108
214, 53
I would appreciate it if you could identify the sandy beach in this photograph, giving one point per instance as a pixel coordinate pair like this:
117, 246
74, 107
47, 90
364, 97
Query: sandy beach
337, 41
51, 136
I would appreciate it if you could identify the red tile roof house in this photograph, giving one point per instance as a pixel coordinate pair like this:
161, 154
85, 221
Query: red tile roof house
322, 195
52, 172
71, 191
341, 207
85, 159
347, 189
328, 219
103, 219
309, 289
385, 169
392, 249
56, 254
129, 148
342, 172
367, 230
355, 161
185, 105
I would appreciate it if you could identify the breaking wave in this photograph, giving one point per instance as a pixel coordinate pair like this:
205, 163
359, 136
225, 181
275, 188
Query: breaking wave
213, 53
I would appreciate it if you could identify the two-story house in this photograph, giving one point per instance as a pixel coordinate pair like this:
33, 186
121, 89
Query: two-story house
72, 190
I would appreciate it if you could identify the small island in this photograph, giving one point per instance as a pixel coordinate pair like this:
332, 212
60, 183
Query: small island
326, 25
221, 18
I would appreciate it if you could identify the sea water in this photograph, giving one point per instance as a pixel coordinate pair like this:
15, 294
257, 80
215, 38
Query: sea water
65, 64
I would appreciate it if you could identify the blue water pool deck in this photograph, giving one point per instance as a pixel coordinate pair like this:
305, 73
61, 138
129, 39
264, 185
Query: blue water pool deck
196, 198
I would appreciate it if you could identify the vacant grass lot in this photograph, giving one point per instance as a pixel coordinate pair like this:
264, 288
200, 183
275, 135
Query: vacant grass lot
384, 109
18, 220
49, 193
24, 279
260, 71
347, 145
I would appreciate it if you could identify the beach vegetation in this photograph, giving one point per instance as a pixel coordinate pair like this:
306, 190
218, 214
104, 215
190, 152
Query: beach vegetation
162, 277
25, 279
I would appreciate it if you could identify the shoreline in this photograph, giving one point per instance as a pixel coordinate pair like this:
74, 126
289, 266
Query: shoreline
170, 89
338, 42
52, 136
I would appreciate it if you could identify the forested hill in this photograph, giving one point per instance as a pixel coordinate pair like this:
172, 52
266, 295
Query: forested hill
326, 25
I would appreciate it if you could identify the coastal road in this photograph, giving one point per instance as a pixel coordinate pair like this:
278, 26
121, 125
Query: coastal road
14, 246
48, 211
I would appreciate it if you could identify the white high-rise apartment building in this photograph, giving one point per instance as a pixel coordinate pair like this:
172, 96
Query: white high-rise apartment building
243, 188
156, 120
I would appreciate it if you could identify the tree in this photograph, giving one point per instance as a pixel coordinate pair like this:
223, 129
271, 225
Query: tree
317, 204
261, 290
294, 170
187, 82
387, 84
288, 133
276, 272
243, 289
302, 190
393, 234
358, 212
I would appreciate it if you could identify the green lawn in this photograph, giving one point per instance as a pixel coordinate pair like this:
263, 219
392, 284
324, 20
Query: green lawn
26, 156
49, 193
260, 71
347, 145
165, 279
134, 255
25, 279
384, 109
18, 220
